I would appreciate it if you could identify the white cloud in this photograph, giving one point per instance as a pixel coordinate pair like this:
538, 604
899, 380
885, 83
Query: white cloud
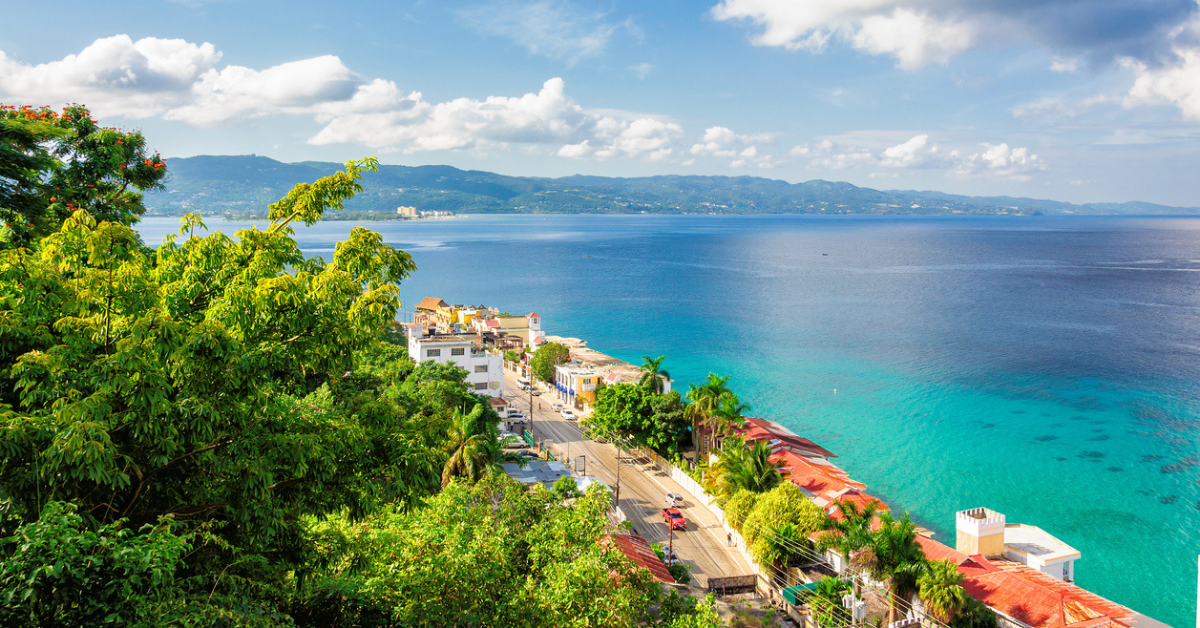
551, 28
919, 32
177, 80
914, 39
1064, 64
912, 35
719, 141
1177, 83
995, 161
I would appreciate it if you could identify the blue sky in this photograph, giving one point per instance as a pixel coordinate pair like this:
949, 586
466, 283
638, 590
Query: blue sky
1077, 100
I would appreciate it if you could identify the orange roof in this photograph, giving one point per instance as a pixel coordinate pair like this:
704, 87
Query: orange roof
862, 500
968, 565
534, 315
756, 429
640, 552
431, 303
822, 480
1041, 600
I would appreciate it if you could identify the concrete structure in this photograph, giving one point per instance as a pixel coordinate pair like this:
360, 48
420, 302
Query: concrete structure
407, 212
985, 532
575, 385
539, 472
485, 370
980, 531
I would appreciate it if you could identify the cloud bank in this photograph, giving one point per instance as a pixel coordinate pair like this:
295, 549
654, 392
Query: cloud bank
997, 161
919, 32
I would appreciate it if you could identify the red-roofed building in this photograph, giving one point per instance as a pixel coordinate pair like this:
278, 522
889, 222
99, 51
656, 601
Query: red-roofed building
778, 437
640, 552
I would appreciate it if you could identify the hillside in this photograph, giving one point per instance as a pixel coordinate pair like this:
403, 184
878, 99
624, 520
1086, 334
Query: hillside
244, 185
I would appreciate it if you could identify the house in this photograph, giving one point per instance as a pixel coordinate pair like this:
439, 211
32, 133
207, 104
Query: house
1027, 587
639, 551
575, 384
484, 368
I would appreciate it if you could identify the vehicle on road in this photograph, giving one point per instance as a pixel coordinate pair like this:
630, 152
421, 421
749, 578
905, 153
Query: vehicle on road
569, 415
535, 392
557, 407
673, 499
674, 518
670, 557
523, 384
516, 416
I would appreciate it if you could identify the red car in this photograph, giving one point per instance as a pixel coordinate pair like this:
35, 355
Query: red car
674, 518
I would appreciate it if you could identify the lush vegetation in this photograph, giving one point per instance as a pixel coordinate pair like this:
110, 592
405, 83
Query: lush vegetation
220, 432
547, 357
635, 413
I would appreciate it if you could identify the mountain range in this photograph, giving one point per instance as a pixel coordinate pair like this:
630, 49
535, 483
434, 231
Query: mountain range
241, 186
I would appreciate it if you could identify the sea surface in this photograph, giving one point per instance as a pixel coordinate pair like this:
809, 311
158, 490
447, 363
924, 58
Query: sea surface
1045, 367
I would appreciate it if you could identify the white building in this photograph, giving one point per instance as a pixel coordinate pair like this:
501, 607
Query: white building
985, 531
485, 370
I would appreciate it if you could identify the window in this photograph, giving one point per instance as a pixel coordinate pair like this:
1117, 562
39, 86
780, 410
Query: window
457, 351
480, 368
481, 386
433, 353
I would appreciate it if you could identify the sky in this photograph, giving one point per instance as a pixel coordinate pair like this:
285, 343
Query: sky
1074, 100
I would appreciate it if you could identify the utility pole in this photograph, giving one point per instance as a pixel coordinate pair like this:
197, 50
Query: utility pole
670, 542
619, 473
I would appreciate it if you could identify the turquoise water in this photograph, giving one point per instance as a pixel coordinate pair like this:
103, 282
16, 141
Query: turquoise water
1043, 367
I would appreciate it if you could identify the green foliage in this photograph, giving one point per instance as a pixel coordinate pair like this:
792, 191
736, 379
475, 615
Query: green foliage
742, 468
783, 505
566, 488
940, 587
895, 556
494, 553
653, 374
826, 602
645, 418
546, 358
57, 571
681, 573
52, 165
738, 506
974, 614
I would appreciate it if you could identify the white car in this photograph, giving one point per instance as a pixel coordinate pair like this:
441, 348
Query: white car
569, 415
673, 499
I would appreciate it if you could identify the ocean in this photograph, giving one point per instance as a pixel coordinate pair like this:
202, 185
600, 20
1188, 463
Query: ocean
1044, 367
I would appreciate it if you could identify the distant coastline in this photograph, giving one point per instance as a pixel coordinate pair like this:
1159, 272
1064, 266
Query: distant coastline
244, 185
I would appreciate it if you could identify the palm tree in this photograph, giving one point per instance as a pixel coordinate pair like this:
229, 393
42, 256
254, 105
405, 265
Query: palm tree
473, 448
705, 399
728, 415
896, 557
852, 531
940, 587
744, 468
653, 373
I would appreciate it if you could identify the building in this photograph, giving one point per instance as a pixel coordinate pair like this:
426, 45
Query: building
407, 212
1024, 574
485, 370
577, 380
641, 554
576, 385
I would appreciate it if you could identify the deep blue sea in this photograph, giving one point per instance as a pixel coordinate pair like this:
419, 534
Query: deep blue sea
1044, 367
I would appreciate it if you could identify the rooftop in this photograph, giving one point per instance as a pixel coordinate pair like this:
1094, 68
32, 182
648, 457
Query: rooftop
1036, 542
431, 303
538, 472
756, 429
640, 552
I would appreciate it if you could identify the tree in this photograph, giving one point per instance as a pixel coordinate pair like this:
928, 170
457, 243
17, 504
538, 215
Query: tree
644, 418
474, 450
727, 415
974, 614
785, 504
851, 531
205, 381
940, 587
653, 373
63, 163
738, 507
895, 556
705, 399
741, 467
826, 602
546, 358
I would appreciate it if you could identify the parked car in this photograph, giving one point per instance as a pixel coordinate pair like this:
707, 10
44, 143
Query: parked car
557, 407
673, 499
569, 415
516, 416
535, 392
674, 518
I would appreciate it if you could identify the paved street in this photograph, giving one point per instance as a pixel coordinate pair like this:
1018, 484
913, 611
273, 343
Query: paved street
642, 488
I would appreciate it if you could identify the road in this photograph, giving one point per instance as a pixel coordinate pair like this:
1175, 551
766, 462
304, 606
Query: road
642, 489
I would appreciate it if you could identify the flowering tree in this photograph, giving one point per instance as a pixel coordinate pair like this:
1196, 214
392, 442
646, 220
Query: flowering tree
53, 164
